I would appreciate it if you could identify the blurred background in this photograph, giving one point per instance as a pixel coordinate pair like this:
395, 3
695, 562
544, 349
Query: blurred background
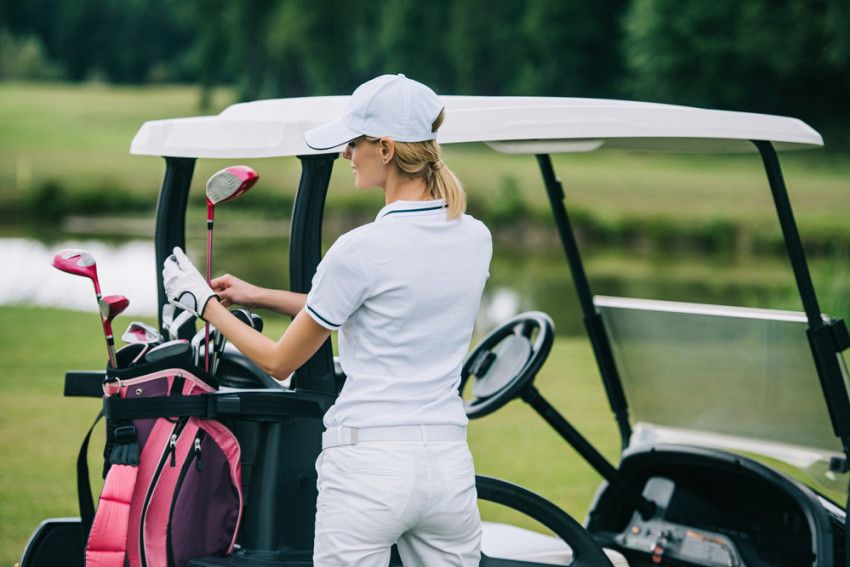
79, 77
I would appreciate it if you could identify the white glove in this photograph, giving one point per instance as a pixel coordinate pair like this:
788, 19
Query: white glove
185, 287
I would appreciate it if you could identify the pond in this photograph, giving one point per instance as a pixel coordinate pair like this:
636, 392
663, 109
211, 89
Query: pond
537, 278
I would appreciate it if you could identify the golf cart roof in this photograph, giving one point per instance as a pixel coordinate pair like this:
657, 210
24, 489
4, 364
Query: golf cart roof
524, 125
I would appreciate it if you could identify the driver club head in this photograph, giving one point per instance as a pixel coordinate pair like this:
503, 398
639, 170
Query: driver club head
230, 183
79, 263
139, 332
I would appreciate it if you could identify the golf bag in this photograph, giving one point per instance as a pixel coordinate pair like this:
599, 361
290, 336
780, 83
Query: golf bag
172, 488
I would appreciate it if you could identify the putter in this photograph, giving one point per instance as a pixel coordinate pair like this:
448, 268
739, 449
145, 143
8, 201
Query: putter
165, 350
110, 307
223, 186
81, 263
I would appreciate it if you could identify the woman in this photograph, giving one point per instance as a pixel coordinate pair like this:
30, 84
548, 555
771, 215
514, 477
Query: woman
403, 292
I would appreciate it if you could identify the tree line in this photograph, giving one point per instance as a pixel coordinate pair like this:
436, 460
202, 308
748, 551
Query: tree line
775, 56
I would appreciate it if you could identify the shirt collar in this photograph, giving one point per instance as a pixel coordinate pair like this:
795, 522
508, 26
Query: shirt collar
406, 208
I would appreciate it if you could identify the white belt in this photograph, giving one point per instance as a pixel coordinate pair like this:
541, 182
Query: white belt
424, 434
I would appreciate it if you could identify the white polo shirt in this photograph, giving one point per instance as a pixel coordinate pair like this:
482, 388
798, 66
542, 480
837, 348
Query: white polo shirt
404, 292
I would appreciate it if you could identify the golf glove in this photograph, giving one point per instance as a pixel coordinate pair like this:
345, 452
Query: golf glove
185, 287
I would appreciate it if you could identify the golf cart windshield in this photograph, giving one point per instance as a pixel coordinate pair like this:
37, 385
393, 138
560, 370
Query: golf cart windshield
728, 377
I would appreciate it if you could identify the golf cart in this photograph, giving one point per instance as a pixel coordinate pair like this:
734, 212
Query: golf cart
690, 487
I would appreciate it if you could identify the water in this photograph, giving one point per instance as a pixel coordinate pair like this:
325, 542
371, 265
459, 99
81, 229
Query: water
535, 279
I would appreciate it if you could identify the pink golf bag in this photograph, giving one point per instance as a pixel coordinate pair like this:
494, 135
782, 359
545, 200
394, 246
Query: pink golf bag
173, 487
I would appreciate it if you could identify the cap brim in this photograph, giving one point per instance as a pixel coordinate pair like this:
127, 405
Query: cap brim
330, 135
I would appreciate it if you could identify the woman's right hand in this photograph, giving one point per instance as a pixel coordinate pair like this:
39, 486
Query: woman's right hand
232, 291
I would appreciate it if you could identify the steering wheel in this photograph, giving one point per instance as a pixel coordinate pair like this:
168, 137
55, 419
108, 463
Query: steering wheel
506, 361
586, 552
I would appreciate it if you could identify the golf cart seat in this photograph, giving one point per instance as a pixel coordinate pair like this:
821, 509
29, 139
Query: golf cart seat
511, 542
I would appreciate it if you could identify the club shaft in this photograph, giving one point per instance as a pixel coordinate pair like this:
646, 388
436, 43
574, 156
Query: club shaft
110, 344
210, 214
107, 328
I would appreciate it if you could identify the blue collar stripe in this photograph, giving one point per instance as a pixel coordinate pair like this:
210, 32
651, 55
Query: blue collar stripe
415, 210
314, 312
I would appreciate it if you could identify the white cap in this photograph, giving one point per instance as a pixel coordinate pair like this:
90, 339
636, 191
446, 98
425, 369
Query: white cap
391, 106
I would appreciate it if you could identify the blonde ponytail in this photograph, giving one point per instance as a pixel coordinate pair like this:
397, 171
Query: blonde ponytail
422, 159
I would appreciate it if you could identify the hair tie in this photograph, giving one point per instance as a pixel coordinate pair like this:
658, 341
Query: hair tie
437, 165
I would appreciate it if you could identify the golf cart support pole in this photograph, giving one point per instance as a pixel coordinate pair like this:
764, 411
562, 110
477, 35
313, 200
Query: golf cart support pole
631, 496
827, 338
305, 253
171, 219
592, 320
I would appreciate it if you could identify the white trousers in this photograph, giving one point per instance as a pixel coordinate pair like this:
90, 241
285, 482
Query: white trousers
374, 494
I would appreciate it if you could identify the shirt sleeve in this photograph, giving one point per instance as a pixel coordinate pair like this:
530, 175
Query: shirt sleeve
339, 285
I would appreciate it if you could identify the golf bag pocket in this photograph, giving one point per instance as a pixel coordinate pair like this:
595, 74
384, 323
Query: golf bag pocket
173, 488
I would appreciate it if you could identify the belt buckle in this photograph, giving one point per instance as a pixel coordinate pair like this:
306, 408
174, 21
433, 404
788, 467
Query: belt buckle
350, 439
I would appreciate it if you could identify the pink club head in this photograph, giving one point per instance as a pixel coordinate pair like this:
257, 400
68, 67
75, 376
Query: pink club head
138, 332
111, 306
230, 183
77, 262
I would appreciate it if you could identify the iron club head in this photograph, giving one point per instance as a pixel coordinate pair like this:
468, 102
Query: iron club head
165, 350
138, 332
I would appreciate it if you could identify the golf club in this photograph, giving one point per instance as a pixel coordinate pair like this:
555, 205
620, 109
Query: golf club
130, 354
177, 323
138, 332
223, 186
110, 306
257, 322
167, 349
80, 263
221, 341
196, 343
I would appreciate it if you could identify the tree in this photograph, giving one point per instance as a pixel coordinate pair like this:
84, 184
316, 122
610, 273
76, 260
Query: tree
776, 56
572, 48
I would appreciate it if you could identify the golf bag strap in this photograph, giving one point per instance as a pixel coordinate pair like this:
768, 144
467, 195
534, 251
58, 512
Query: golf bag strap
84, 495
148, 408
214, 406
84, 383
